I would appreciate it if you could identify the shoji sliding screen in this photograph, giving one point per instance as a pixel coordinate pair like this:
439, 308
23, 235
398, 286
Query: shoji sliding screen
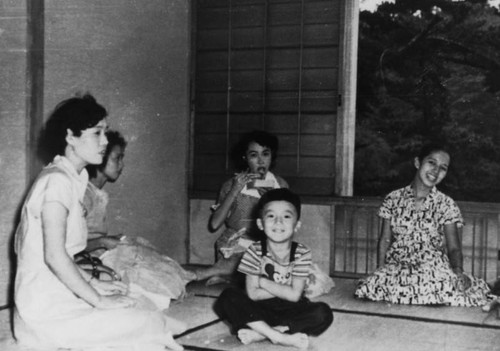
270, 65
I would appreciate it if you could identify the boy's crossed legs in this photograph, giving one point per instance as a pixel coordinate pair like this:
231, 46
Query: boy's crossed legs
282, 322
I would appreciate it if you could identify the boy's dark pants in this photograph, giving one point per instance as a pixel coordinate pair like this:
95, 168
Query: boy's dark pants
304, 316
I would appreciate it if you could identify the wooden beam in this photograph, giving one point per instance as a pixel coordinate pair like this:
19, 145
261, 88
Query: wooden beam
34, 84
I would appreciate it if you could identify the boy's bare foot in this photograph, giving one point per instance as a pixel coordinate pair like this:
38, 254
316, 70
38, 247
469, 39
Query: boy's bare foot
298, 340
248, 336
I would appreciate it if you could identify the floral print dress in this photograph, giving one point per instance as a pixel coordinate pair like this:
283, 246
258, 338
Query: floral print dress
417, 269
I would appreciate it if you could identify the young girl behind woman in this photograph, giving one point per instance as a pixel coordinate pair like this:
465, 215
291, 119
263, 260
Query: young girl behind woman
57, 304
418, 221
134, 259
256, 153
96, 199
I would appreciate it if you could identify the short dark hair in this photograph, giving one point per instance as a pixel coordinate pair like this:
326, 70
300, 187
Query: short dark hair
429, 148
76, 114
260, 137
281, 194
115, 138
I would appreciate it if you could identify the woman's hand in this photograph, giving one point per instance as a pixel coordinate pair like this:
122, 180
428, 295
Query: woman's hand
467, 281
105, 287
115, 301
455, 256
223, 210
463, 281
242, 179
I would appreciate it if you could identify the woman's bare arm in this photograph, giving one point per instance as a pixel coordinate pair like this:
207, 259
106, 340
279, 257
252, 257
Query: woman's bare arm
455, 255
54, 218
384, 241
220, 214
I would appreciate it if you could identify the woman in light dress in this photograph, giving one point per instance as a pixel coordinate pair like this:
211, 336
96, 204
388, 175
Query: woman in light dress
57, 304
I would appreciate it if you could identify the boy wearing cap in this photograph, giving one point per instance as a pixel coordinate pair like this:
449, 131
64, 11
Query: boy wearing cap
276, 269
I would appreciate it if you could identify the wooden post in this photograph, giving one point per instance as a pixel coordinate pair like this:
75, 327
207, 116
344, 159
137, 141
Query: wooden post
34, 85
346, 113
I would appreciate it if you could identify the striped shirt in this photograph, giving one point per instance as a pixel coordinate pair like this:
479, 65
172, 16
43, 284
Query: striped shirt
253, 263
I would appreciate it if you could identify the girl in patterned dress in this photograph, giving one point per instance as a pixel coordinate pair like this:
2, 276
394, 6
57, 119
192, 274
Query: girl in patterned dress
419, 254
256, 152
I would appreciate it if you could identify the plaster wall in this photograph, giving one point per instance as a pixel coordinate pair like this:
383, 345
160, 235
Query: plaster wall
13, 108
133, 56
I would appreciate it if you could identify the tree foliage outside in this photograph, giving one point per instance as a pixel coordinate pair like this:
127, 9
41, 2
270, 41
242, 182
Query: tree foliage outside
429, 71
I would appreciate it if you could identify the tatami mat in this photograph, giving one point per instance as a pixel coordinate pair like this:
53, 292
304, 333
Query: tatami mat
341, 299
358, 325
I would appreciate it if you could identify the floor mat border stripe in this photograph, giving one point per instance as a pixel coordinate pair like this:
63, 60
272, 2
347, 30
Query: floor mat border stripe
201, 326
417, 319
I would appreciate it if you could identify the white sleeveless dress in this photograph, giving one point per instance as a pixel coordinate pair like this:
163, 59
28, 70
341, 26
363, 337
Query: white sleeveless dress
47, 314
